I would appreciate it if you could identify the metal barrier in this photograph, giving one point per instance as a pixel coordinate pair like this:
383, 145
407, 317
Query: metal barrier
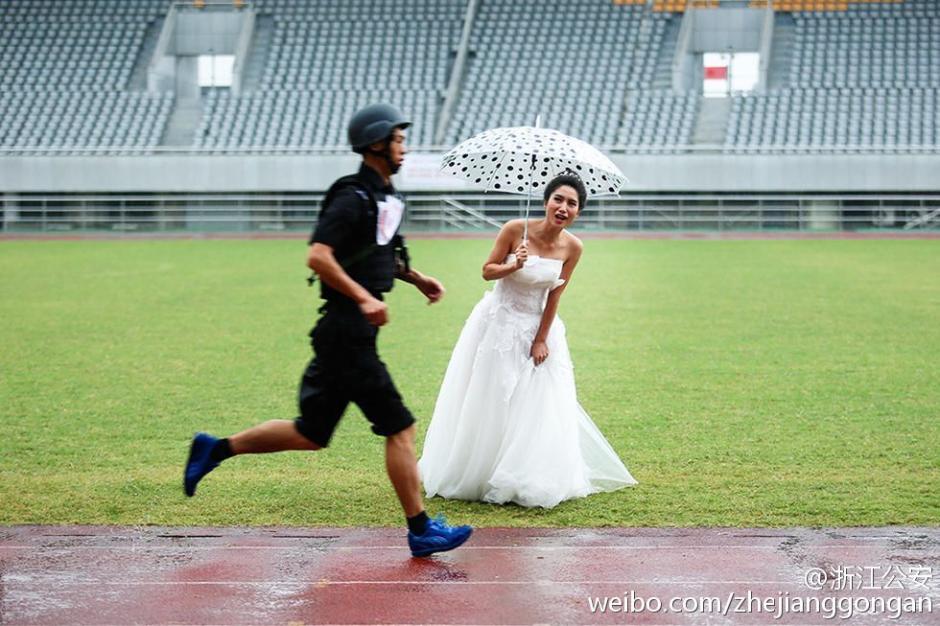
188, 212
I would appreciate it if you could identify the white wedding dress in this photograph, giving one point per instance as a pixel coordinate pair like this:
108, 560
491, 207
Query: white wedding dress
504, 429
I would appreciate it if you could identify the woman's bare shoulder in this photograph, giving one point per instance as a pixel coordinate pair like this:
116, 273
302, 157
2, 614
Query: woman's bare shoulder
514, 226
573, 243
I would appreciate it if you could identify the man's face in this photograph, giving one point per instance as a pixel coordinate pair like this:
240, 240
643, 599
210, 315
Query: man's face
397, 149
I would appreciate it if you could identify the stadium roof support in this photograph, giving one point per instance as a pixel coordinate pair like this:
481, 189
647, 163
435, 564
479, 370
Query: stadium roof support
457, 73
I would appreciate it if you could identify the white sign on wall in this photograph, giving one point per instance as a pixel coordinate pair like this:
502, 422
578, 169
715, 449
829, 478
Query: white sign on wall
422, 172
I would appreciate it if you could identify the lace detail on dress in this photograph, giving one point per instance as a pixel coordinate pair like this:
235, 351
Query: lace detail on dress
513, 312
526, 289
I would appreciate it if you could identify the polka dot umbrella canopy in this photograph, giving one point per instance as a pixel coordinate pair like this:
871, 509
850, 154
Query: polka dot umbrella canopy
523, 159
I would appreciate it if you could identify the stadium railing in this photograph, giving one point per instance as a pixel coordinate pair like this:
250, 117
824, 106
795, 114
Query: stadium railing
183, 213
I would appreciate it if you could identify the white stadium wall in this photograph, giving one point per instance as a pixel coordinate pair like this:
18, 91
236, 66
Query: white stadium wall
285, 173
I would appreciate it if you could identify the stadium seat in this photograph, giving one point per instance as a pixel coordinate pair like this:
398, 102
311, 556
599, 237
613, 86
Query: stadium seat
862, 74
867, 76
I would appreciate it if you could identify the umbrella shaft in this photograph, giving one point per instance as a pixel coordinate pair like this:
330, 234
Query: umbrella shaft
525, 222
528, 196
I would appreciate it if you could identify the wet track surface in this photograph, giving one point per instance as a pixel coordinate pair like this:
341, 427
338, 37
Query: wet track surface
123, 575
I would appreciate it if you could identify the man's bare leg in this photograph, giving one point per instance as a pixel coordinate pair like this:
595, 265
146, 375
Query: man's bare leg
270, 436
425, 536
401, 463
206, 451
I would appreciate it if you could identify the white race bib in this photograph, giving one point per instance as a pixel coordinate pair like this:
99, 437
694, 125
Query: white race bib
390, 213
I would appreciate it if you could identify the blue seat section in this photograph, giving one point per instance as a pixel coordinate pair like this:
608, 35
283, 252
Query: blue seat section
861, 78
64, 71
328, 59
572, 61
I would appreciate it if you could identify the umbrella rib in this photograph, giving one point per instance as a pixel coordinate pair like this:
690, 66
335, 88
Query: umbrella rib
495, 170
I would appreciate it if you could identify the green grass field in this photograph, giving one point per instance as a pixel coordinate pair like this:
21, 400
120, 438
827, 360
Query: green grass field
744, 383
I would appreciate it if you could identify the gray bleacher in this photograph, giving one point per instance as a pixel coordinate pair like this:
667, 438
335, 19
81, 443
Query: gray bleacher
861, 78
658, 119
865, 77
64, 70
571, 61
852, 119
327, 60
80, 118
867, 47
292, 118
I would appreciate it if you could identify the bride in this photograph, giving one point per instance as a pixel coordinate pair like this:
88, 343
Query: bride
507, 426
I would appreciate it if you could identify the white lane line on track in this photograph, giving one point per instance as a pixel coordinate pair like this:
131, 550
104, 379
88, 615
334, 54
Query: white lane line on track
326, 583
462, 548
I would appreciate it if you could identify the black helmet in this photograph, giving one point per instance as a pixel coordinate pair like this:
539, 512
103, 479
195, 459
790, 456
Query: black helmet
374, 123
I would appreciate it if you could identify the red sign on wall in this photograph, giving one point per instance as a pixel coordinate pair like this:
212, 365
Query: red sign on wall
716, 73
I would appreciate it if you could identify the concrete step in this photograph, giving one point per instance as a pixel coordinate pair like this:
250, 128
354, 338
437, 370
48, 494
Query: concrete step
258, 53
781, 55
185, 119
138, 79
712, 122
662, 77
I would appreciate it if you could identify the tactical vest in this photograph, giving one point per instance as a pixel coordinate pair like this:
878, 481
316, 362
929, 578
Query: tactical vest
371, 265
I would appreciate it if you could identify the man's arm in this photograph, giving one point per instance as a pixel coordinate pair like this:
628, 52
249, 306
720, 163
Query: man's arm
432, 288
320, 259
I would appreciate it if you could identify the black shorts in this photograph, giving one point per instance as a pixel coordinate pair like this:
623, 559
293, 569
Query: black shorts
347, 369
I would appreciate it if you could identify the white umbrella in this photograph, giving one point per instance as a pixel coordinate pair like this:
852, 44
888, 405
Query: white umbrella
523, 159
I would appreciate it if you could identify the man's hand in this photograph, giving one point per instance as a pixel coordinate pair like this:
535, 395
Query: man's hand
432, 289
539, 352
375, 311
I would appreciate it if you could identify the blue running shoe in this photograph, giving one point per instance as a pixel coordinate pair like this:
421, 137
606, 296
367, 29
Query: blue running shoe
198, 464
438, 537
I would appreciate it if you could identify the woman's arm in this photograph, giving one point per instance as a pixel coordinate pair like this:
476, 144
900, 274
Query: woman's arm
539, 351
494, 268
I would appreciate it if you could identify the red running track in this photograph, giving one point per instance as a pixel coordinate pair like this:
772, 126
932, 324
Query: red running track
149, 575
